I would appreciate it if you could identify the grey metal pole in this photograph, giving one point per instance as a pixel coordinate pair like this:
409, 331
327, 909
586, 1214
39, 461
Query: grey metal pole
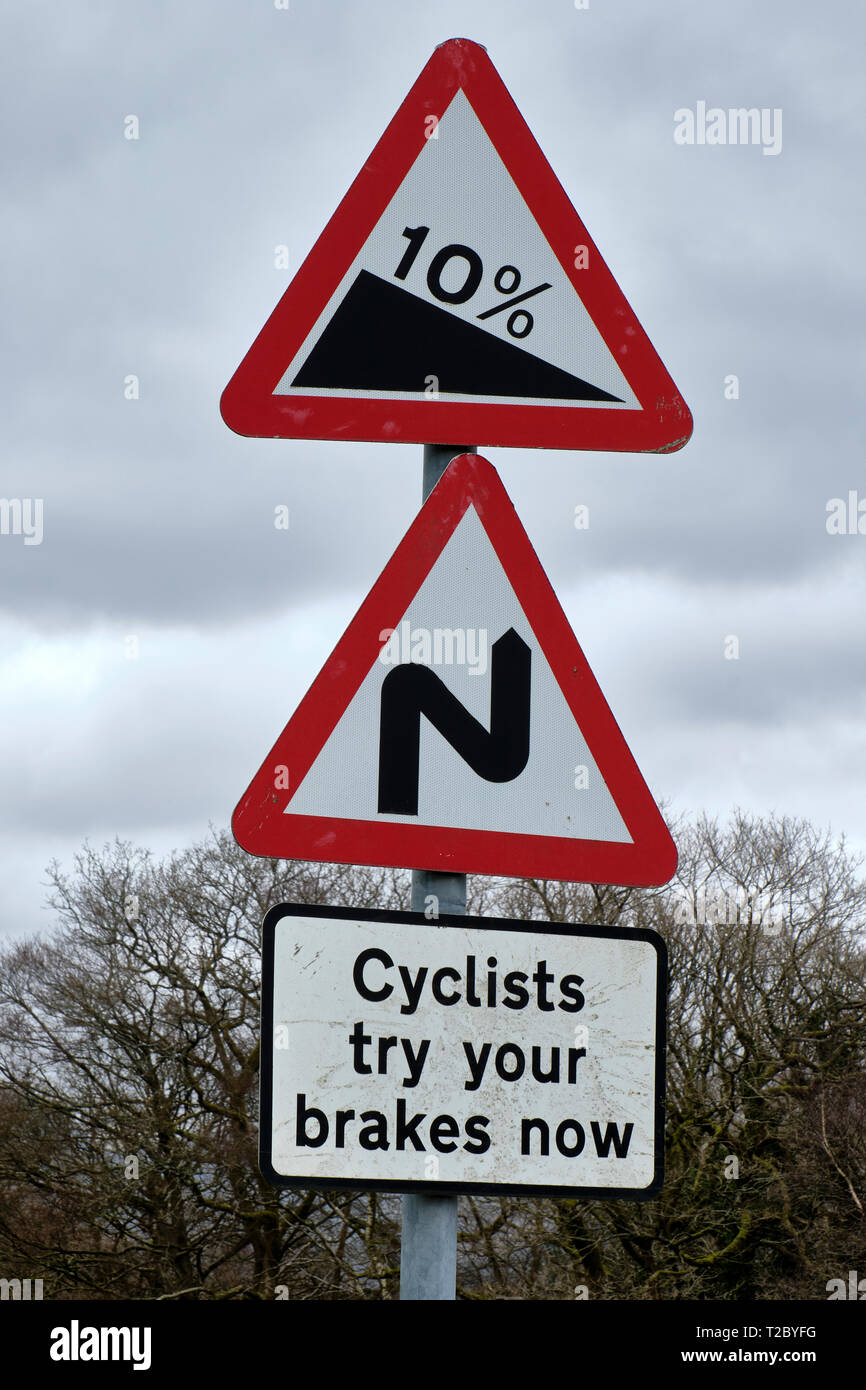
428, 1247
436, 459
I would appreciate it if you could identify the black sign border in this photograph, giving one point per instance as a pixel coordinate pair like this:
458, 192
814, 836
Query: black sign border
611, 1194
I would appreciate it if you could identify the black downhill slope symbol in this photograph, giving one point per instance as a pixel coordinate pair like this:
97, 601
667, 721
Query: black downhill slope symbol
382, 338
497, 755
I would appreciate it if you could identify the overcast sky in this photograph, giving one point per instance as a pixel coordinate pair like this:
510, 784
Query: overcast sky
155, 257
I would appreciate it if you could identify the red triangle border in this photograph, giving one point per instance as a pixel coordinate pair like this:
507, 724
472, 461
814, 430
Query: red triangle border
261, 827
249, 407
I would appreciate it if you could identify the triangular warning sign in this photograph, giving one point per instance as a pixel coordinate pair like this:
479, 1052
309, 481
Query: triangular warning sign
456, 295
457, 725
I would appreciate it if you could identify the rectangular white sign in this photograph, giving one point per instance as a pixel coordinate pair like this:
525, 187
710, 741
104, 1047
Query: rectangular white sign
469, 1055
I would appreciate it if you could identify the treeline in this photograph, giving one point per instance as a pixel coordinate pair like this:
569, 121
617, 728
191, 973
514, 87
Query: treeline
129, 1052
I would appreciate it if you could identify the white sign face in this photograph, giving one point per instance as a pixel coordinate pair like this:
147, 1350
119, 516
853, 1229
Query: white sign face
474, 1056
465, 605
482, 289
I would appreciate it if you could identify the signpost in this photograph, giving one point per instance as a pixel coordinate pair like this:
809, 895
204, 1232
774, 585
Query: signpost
456, 295
428, 1236
475, 1055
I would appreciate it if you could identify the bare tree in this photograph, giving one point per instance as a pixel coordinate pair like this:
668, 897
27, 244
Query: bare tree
766, 1094
129, 1051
